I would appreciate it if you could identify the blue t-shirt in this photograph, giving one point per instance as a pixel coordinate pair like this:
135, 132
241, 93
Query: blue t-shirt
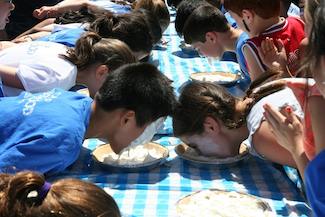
42, 132
314, 180
67, 37
245, 82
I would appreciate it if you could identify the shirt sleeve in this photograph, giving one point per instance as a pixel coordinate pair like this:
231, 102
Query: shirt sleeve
314, 179
46, 75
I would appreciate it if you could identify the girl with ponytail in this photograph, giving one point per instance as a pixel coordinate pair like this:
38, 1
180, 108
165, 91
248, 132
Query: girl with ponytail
27, 194
42, 66
214, 122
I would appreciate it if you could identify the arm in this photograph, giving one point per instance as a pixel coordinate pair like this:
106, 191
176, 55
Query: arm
60, 8
254, 66
266, 145
42, 26
316, 108
31, 37
9, 77
288, 131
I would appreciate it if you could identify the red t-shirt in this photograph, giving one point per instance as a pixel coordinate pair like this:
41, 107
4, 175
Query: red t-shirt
291, 32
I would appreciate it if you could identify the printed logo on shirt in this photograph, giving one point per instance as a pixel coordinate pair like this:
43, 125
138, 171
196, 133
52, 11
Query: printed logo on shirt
31, 100
35, 46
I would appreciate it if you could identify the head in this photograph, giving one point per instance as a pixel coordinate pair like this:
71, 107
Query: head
315, 58
184, 10
84, 15
152, 22
25, 195
95, 57
140, 94
131, 28
249, 14
158, 8
208, 118
5, 7
204, 114
204, 30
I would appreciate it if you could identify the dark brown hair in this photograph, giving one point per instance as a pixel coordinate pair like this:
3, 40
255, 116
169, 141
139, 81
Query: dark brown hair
201, 99
204, 19
158, 8
130, 28
263, 8
91, 48
65, 198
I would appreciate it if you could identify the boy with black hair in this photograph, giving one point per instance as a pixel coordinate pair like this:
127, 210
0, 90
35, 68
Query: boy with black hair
261, 19
44, 132
208, 31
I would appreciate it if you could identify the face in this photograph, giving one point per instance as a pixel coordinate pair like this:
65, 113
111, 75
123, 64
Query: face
5, 7
209, 49
244, 21
209, 145
125, 131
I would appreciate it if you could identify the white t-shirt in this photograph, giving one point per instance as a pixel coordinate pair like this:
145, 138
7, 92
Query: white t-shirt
255, 117
39, 67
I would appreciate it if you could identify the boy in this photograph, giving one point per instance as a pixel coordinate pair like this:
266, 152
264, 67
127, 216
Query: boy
44, 132
261, 19
208, 31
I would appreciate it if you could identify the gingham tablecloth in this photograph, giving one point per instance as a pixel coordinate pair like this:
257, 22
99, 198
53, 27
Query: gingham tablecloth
155, 193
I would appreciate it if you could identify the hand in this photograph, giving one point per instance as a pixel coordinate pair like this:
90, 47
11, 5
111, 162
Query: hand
286, 127
26, 38
273, 55
45, 12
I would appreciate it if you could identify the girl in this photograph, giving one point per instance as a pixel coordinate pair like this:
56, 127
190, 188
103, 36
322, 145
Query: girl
213, 121
42, 66
28, 194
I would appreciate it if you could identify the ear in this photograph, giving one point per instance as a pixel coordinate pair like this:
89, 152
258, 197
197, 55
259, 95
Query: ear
101, 72
211, 125
211, 37
248, 15
127, 118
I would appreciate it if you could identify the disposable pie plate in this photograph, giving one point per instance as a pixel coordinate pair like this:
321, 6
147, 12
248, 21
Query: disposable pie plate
219, 203
187, 49
226, 78
191, 156
103, 156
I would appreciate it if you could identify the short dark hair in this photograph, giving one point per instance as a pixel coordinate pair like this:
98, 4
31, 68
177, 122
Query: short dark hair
140, 87
184, 10
204, 19
263, 8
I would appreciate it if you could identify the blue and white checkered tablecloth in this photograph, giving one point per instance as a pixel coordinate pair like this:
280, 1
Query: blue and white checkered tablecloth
155, 193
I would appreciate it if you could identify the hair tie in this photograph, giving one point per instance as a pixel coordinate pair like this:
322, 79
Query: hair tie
42, 192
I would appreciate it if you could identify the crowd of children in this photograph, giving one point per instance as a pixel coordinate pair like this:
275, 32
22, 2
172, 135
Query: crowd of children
95, 46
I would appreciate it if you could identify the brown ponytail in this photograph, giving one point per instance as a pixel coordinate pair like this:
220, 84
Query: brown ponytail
201, 99
91, 49
66, 198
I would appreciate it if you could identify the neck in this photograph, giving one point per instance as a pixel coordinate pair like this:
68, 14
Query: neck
263, 24
230, 38
236, 137
98, 123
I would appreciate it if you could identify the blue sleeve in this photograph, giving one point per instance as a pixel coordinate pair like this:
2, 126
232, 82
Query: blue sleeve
314, 179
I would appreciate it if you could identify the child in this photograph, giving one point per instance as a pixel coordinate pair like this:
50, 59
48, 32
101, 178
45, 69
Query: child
260, 19
42, 66
291, 135
5, 7
213, 121
27, 194
44, 132
208, 31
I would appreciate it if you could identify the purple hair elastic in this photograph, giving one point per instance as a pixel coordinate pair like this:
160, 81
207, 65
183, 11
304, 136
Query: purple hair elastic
42, 192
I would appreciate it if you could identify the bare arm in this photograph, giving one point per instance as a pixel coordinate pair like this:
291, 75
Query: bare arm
266, 145
9, 77
316, 107
38, 27
254, 65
